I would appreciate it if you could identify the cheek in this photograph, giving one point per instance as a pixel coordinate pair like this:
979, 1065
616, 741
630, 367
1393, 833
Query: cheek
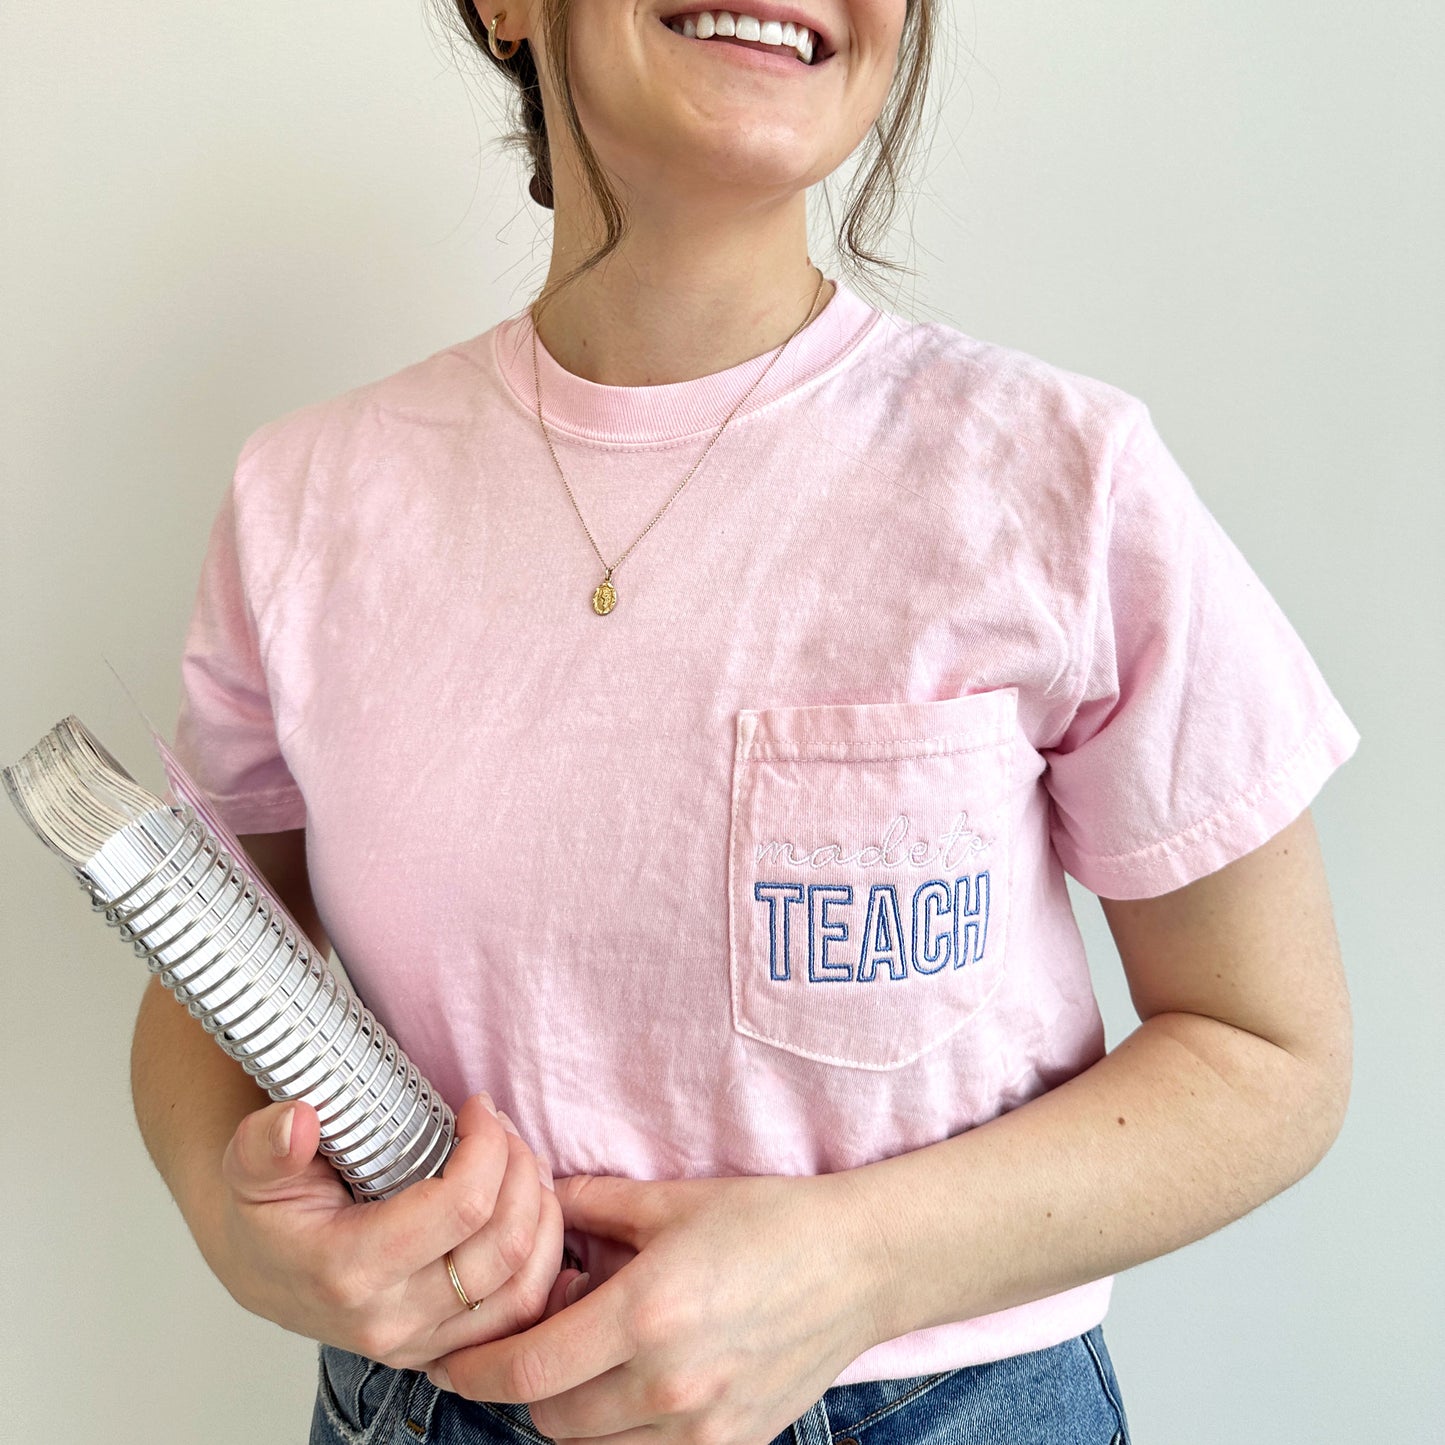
614, 88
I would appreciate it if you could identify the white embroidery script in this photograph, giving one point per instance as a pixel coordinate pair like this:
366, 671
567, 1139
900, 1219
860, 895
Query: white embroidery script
957, 843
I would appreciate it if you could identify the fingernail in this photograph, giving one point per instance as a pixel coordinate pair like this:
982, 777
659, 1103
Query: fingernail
574, 1290
439, 1377
281, 1134
487, 1100
507, 1124
545, 1170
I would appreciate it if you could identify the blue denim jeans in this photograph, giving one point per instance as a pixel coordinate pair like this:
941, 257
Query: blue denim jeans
1064, 1395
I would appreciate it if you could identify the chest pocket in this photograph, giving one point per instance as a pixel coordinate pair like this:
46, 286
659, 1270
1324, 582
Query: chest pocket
868, 873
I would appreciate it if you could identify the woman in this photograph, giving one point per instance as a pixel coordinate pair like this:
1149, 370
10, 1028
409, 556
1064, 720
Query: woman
678, 706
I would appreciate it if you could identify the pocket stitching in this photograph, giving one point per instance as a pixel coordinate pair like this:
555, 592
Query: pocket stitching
744, 753
1104, 1384
331, 1401
822, 1058
922, 1388
938, 719
740, 754
848, 751
529, 1433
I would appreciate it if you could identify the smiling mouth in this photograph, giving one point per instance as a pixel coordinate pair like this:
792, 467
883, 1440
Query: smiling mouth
782, 52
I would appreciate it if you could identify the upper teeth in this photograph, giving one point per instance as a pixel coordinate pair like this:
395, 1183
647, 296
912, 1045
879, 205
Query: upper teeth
707, 23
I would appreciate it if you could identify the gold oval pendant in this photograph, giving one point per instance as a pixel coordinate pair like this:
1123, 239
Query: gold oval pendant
604, 599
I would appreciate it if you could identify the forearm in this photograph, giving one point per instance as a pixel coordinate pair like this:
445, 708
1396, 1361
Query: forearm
1186, 1125
188, 1097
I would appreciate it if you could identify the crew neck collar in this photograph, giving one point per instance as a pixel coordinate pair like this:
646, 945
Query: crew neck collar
654, 414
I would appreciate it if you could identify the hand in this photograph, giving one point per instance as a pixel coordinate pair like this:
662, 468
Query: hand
745, 1300
370, 1277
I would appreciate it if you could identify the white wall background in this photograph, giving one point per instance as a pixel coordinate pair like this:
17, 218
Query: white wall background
212, 214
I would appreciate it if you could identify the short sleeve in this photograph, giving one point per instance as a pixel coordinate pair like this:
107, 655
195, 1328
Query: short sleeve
226, 736
1203, 725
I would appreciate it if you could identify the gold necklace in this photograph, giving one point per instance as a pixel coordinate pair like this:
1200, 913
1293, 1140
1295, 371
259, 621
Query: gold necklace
604, 595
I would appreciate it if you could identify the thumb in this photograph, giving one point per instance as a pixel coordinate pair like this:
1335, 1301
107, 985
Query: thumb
270, 1148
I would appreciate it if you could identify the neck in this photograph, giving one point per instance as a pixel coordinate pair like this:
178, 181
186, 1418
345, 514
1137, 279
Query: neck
652, 314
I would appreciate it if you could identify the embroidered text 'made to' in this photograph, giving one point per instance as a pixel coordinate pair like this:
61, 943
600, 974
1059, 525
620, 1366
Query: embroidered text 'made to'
957, 843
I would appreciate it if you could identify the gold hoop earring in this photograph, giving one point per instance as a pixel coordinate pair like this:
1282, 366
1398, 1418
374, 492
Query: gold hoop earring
492, 38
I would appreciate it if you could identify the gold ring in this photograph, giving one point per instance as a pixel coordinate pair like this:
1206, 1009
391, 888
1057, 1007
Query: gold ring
457, 1284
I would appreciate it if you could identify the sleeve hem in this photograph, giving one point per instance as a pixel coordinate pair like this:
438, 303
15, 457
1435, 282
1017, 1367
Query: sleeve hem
1240, 826
275, 811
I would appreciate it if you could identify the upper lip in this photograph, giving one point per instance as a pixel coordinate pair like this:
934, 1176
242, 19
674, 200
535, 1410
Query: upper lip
761, 11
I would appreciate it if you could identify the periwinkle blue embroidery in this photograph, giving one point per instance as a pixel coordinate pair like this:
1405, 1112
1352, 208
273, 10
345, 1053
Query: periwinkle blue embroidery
931, 959
882, 935
949, 924
977, 914
822, 931
772, 894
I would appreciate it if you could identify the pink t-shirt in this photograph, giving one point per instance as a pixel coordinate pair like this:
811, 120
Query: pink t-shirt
763, 873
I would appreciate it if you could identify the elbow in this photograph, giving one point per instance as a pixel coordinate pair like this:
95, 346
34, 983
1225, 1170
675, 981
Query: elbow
1337, 1091
1323, 1100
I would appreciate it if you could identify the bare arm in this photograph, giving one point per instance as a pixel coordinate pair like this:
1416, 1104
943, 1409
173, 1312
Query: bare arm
1234, 1088
188, 1095
278, 1226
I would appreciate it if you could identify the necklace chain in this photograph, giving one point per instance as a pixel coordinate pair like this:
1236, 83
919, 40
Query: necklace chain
604, 597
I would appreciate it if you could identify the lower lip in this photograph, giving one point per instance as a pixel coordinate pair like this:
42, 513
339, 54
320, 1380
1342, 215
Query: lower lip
747, 55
